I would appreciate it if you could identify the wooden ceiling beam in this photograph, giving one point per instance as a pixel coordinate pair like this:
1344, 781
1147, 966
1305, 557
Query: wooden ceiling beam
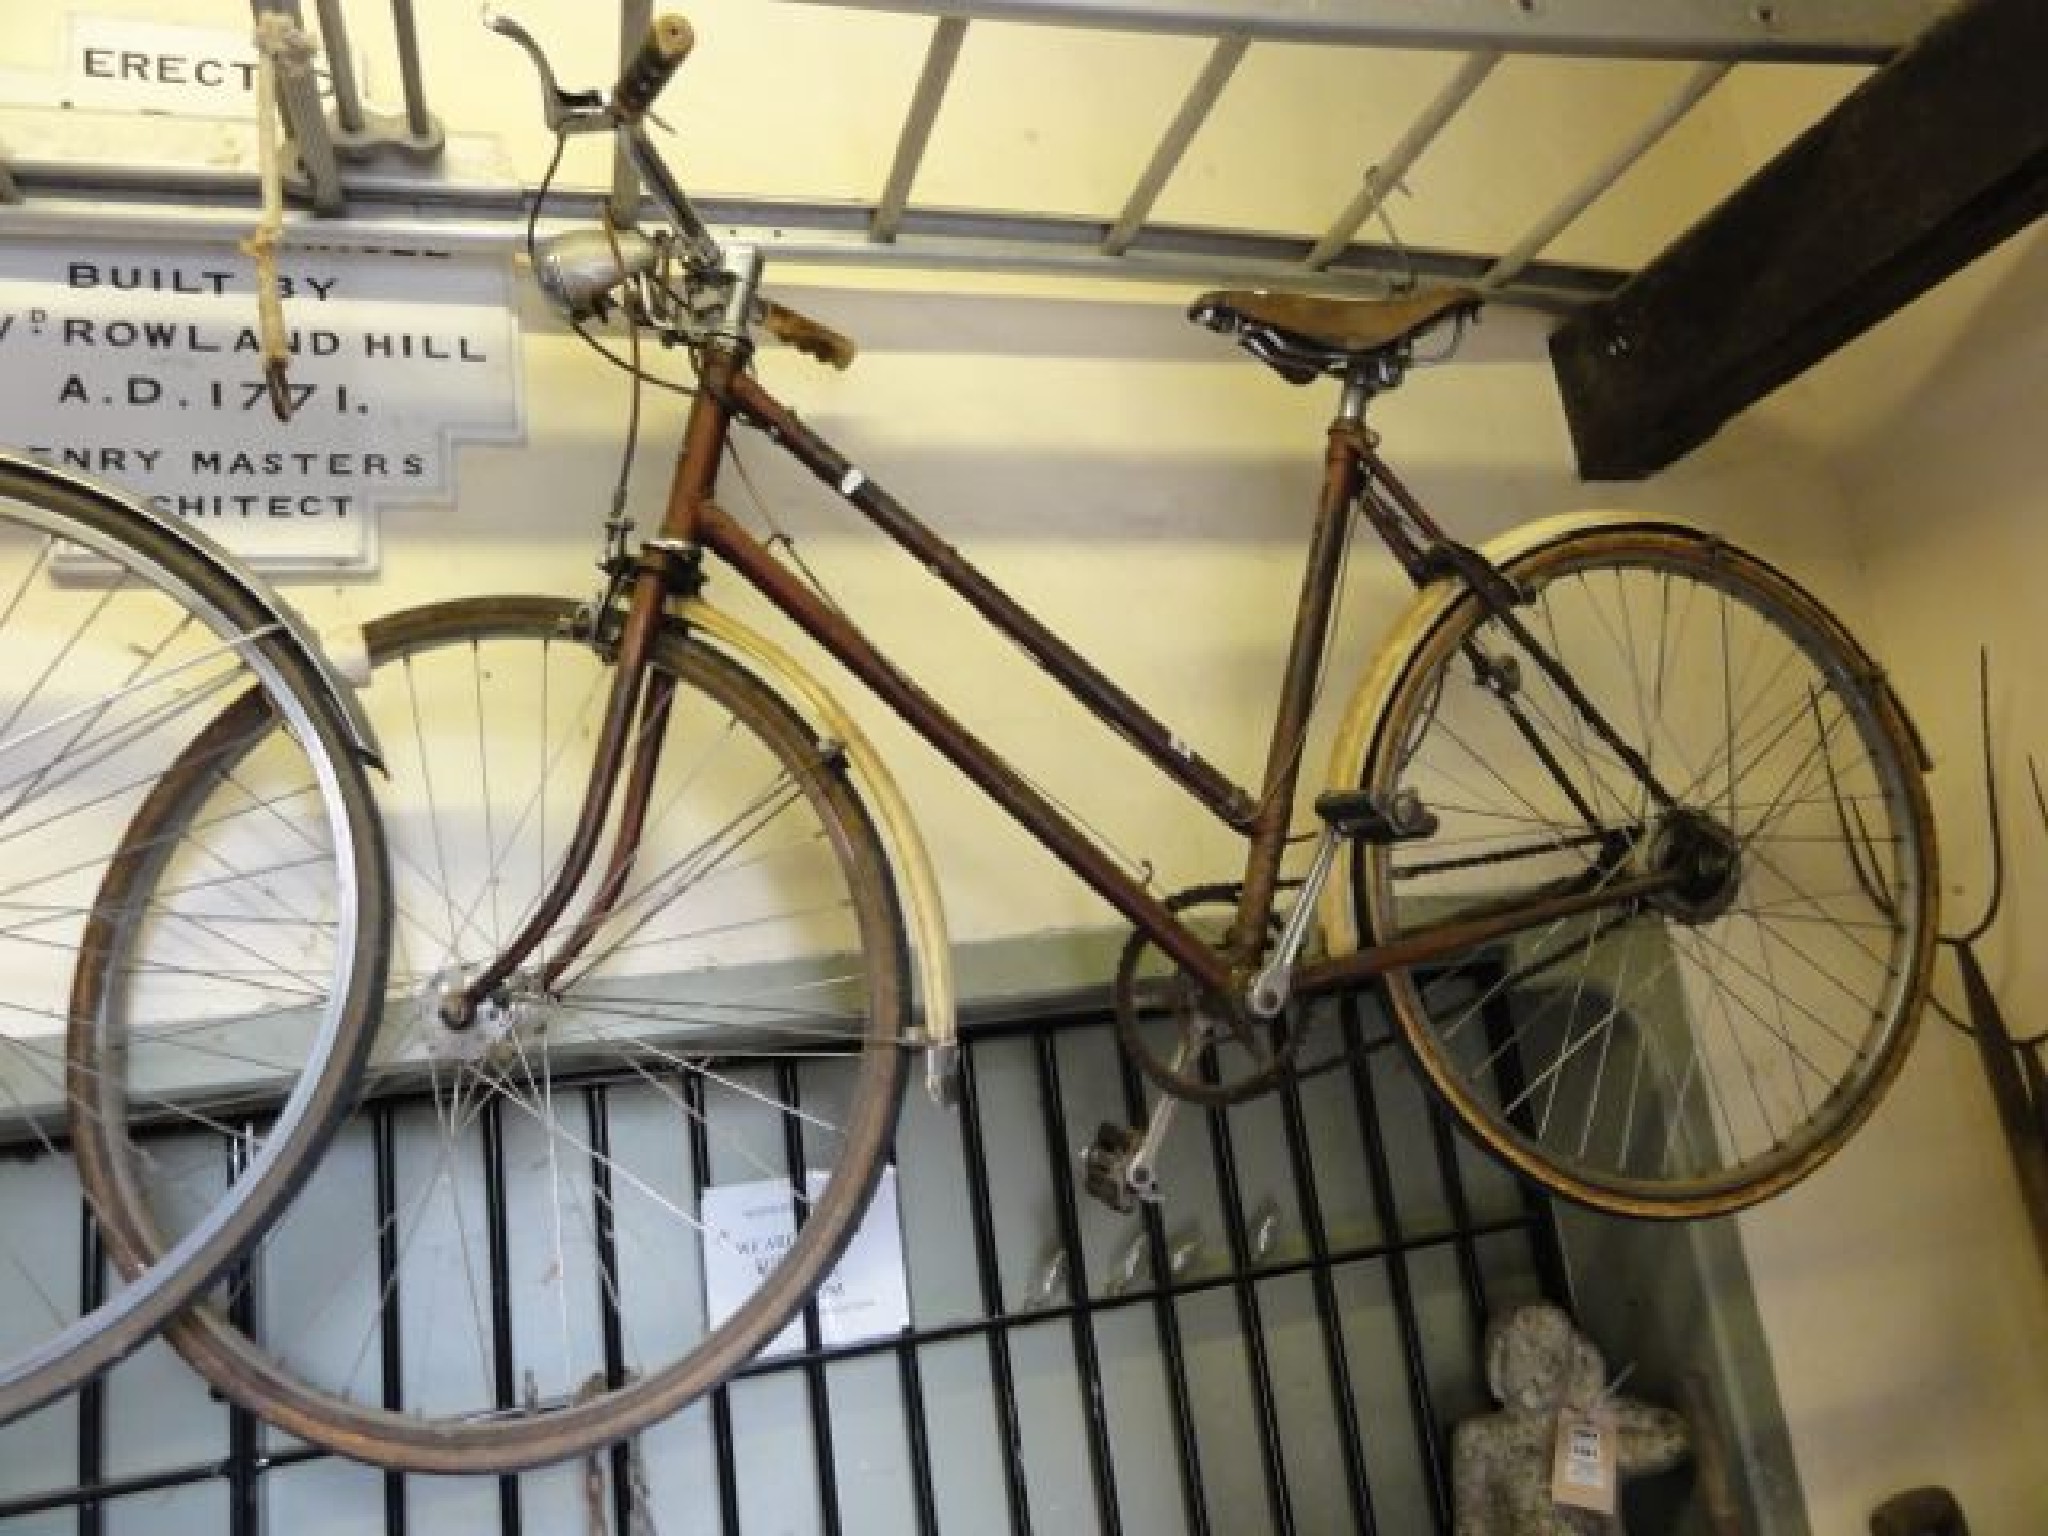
1933, 160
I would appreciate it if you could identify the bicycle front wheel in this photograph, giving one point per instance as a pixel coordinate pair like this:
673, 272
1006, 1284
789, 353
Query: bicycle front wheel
530, 1242
1661, 704
123, 643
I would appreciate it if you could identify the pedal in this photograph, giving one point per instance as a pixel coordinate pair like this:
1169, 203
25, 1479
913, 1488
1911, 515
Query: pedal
1376, 818
1120, 1166
1105, 1165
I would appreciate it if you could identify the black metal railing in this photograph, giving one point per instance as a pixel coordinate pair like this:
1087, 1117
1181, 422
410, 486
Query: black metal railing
1282, 1345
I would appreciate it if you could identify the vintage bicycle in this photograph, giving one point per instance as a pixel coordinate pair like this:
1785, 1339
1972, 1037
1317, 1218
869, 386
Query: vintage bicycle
1627, 828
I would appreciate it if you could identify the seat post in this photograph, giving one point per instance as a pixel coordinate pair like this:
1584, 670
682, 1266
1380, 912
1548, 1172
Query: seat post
1361, 383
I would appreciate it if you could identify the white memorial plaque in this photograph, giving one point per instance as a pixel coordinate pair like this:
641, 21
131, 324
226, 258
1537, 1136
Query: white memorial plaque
749, 1227
143, 366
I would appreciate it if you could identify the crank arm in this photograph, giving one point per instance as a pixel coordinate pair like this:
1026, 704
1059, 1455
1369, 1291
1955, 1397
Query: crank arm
1120, 1166
1348, 815
1274, 984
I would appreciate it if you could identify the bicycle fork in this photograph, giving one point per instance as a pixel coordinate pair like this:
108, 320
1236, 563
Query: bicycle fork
665, 569
635, 716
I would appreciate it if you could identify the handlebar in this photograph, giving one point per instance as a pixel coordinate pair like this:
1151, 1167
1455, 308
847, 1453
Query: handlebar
668, 42
661, 52
811, 337
578, 278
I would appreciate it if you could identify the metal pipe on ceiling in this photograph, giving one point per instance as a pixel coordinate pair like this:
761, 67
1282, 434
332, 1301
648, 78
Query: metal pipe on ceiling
822, 234
1605, 175
1812, 31
341, 67
1195, 108
939, 61
419, 121
298, 103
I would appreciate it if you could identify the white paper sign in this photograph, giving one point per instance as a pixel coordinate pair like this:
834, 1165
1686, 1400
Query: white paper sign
750, 1226
142, 365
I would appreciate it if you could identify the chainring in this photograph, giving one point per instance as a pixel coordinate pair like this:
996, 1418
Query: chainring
1241, 1058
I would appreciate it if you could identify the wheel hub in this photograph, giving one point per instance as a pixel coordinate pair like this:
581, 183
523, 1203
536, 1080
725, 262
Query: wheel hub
496, 1026
1704, 860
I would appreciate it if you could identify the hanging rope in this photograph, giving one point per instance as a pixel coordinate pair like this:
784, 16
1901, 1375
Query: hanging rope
282, 47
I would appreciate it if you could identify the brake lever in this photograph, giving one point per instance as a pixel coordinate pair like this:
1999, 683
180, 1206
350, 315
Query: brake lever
558, 107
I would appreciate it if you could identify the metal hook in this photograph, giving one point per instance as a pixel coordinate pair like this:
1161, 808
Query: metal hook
1406, 280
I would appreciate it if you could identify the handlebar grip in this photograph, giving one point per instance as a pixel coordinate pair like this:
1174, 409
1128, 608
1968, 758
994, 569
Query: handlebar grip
808, 336
668, 42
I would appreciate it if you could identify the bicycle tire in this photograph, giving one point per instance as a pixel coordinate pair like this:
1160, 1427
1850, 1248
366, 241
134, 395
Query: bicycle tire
451, 674
123, 637
1758, 1010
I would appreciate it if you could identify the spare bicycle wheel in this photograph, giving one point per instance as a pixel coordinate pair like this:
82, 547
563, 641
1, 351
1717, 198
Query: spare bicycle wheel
524, 1245
1726, 735
124, 642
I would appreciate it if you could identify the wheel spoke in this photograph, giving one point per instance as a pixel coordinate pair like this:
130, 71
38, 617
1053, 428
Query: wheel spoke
165, 994
1643, 1064
755, 923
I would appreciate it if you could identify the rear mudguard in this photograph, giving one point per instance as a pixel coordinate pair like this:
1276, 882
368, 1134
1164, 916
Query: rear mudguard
1361, 719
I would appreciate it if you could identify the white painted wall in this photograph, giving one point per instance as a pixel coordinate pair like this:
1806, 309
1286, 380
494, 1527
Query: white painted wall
1905, 1299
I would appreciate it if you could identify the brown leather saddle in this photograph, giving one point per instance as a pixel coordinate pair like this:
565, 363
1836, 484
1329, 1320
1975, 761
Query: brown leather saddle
1302, 337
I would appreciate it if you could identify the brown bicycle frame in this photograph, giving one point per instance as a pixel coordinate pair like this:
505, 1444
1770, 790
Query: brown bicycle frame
1353, 474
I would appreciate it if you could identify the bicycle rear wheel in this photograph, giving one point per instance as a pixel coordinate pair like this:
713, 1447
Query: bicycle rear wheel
1694, 1051
505, 1261
123, 641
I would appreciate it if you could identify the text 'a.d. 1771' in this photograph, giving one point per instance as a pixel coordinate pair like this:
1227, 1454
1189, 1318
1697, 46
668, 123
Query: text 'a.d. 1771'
149, 365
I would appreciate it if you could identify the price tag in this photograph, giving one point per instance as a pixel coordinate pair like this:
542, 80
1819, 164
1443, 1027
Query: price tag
1583, 1468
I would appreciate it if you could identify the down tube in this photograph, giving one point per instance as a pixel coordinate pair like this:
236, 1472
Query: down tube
1000, 782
